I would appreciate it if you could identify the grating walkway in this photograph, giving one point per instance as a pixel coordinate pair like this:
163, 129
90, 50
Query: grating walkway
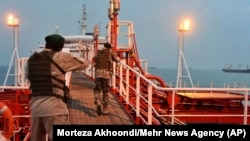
83, 109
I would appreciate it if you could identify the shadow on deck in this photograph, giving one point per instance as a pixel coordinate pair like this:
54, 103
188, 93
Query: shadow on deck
83, 109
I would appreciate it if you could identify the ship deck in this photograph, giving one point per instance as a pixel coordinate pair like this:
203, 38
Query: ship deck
211, 95
83, 109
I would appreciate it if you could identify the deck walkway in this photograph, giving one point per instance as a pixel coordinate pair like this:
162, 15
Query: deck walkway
83, 109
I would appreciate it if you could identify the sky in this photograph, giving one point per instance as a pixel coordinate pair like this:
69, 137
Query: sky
219, 34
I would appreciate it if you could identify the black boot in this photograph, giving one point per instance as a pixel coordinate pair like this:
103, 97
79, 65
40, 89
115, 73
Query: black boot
105, 109
98, 108
98, 103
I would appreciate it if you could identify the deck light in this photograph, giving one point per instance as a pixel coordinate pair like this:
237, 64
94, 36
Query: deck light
183, 27
14, 22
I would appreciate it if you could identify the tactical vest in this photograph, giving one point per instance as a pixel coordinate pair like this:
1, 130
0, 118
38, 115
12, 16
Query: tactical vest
39, 74
103, 59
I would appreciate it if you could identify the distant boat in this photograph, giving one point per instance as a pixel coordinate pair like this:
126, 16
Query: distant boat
236, 70
228, 68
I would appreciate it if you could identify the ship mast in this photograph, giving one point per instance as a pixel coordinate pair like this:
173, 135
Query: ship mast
83, 23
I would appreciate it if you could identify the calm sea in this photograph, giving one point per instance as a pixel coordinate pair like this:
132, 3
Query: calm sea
3, 73
200, 78
204, 78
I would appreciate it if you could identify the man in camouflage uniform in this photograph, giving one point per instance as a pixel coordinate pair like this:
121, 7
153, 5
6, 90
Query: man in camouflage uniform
103, 67
46, 73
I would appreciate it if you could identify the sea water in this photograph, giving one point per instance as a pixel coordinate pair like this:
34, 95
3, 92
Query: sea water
3, 74
204, 77
199, 77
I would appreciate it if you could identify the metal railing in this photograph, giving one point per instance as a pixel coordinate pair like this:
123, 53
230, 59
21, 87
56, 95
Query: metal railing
124, 88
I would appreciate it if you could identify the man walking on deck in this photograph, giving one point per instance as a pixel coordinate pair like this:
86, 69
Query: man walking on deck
103, 71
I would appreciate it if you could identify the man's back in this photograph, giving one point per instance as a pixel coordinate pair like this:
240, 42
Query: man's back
103, 59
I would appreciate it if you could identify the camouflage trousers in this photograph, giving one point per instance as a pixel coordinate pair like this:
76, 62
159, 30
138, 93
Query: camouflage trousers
101, 91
